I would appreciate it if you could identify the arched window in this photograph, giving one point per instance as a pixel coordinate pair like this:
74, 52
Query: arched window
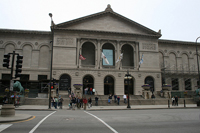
88, 51
128, 56
109, 51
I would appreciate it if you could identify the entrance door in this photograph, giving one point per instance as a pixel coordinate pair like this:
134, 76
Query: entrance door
64, 82
88, 81
149, 80
130, 84
108, 85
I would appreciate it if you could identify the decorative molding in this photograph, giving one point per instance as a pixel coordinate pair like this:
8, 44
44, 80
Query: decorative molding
1, 41
99, 74
148, 46
139, 75
119, 74
65, 41
158, 76
18, 42
54, 72
36, 43
76, 73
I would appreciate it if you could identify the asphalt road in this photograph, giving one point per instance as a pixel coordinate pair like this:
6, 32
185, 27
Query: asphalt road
117, 121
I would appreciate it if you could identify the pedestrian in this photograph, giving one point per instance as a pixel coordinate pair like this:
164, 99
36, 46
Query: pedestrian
81, 102
176, 100
89, 102
52, 101
84, 102
90, 91
5, 100
115, 97
110, 97
118, 100
96, 101
61, 102
93, 91
78, 102
124, 97
69, 90
86, 89
57, 91
173, 101
73, 103
56, 102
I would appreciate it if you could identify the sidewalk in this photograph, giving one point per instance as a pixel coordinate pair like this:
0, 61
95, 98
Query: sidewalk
19, 117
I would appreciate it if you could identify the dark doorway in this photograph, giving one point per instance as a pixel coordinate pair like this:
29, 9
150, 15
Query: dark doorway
64, 82
149, 80
108, 85
88, 81
130, 87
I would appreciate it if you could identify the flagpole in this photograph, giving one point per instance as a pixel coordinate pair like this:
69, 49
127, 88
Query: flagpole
100, 58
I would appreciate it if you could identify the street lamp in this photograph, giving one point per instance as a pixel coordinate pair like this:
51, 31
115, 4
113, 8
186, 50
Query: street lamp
198, 62
127, 78
52, 29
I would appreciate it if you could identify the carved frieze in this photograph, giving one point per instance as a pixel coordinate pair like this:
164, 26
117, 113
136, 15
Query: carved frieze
148, 46
65, 41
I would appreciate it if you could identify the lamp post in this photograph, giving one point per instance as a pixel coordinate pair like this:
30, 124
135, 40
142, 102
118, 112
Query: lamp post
197, 62
127, 78
52, 29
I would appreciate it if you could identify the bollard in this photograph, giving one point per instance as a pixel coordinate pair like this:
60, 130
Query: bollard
184, 103
168, 103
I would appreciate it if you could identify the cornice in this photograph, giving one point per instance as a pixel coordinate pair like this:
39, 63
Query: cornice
108, 32
25, 31
176, 42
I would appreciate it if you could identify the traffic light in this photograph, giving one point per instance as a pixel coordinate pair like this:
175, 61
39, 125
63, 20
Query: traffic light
18, 66
6, 60
54, 83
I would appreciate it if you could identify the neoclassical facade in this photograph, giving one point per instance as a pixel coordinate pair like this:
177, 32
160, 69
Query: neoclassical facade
164, 61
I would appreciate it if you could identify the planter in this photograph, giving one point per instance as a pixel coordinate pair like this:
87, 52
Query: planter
146, 87
165, 87
77, 86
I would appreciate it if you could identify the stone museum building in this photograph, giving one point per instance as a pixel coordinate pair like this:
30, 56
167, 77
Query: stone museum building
76, 56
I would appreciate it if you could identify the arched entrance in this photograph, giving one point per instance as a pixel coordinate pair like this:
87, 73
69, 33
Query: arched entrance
108, 85
88, 81
149, 80
64, 82
131, 89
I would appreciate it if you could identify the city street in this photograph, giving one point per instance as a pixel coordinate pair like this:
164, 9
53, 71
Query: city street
117, 121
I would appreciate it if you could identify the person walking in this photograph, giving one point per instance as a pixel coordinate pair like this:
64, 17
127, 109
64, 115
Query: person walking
84, 102
61, 102
173, 101
73, 103
96, 101
93, 91
118, 100
176, 100
56, 102
89, 102
86, 90
115, 97
124, 97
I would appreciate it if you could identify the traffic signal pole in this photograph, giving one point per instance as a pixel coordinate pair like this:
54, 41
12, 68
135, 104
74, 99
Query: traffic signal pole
18, 70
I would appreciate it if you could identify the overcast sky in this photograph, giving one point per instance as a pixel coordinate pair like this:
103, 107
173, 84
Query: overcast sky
177, 19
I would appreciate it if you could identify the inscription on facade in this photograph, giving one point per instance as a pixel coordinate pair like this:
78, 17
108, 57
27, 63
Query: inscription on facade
149, 46
65, 41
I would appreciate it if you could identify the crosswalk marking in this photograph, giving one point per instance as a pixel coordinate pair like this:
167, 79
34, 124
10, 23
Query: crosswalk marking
4, 126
